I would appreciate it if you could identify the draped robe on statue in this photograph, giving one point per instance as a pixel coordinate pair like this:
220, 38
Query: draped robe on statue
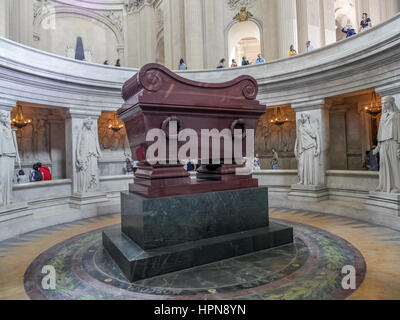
306, 149
8, 155
389, 148
88, 153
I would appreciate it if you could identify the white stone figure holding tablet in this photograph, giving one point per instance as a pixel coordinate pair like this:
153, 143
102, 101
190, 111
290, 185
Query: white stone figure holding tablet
389, 147
87, 155
8, 156
307, 151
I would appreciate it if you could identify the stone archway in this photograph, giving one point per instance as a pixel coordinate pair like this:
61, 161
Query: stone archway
244, 39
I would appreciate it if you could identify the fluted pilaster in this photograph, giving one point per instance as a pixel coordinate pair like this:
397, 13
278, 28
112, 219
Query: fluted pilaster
174, 32
287, 26
194, 30
214, 32
4, 18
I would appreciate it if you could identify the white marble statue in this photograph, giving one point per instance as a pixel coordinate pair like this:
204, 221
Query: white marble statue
307, 150
87, 156
8, 156
389, 147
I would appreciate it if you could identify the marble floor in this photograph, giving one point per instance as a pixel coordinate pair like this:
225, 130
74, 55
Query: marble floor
310, 268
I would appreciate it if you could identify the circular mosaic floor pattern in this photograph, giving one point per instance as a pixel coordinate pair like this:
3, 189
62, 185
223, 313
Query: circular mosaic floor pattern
310, 268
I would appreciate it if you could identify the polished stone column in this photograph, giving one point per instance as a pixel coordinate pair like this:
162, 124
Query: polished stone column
315, 22
174, 32
147, 34
270, 34
328, 23
20, 20
214, 33
287, 18
303, 26
318, 113
194, 30
4, 18
378, 11
389, 8
133, 43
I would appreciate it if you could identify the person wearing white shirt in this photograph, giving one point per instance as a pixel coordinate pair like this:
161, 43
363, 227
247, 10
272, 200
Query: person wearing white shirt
309, 46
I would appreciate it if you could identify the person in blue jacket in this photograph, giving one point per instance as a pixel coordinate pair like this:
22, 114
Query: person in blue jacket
349, 31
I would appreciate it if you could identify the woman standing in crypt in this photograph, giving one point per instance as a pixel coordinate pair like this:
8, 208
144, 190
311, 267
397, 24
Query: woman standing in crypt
307, 150
389, 148
8, 155
87, 156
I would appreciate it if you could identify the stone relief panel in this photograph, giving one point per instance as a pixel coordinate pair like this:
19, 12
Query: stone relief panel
281, 138
34, 139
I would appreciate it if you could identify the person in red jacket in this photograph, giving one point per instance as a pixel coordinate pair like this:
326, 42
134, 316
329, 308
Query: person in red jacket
45, 171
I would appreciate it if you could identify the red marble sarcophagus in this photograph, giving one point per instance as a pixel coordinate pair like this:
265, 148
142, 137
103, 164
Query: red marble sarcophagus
168, 221
155, 97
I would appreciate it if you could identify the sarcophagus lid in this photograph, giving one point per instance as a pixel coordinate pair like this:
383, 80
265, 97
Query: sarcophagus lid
155, 96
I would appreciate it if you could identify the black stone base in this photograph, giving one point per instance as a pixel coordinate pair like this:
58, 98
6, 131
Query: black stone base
138, 264
165, 222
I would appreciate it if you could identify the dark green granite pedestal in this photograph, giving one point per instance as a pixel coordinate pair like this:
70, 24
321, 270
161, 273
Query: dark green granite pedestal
170, 234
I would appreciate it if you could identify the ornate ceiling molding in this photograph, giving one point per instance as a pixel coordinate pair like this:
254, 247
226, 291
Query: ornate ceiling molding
238, 4
132, 6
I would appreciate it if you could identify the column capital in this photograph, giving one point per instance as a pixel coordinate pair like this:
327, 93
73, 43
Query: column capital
7, 104
388, 90
310, 105
82, 114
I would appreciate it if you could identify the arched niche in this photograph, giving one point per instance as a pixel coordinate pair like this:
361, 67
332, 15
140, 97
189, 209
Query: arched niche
57, 30
345, 13
244, 38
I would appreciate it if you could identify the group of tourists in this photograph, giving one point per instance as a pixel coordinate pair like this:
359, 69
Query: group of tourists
274, 161
38, 173
221, 65
117, 63
365, 24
